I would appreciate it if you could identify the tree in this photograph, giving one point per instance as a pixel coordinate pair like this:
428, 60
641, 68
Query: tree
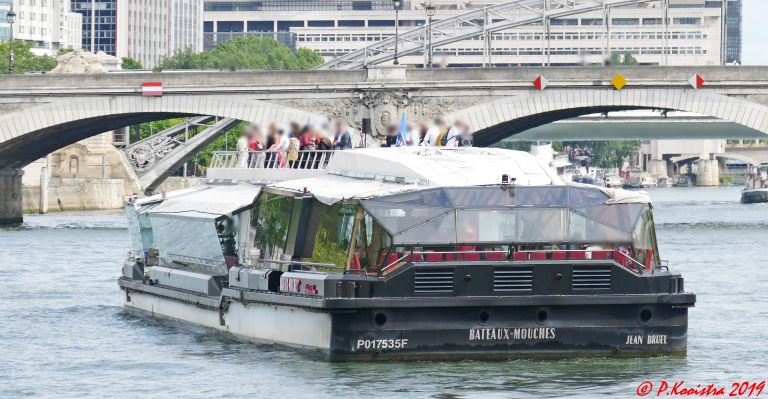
130, 63
606, 154
244, 52
625, 59
24, 59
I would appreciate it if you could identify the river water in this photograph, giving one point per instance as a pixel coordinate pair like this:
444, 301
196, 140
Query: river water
63, 332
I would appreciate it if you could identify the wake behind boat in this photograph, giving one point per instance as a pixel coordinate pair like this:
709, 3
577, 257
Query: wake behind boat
411, 253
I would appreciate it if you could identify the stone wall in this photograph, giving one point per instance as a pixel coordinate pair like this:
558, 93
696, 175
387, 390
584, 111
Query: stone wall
76, 194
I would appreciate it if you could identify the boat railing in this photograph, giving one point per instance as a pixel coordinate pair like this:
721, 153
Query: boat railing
292, 265
620, 257
305, 159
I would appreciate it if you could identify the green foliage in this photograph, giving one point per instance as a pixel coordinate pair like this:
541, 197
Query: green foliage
24, 59
225, 142
244, 52
625, 59
63, 51
607, 154
130, 63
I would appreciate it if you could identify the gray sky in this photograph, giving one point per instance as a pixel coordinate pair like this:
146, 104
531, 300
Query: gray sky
755, 35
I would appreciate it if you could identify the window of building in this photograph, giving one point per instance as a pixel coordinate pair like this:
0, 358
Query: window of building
362, 5
564, 21
229, 26
625, 21
686, 21
285, 26
653, 21
320, 24
261, 26
351, 23
591, 21
208, 26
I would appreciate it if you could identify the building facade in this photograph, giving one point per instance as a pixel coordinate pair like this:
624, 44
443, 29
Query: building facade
145, 30
47, 24
152, 29
99, 24
694, 33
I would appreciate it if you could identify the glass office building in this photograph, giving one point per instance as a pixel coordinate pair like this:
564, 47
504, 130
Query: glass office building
99, 24
733, 18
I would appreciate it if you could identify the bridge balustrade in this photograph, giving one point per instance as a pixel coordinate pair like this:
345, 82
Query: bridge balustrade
307, 159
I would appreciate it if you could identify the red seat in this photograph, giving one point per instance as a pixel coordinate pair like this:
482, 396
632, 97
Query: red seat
496, 256
392, 259
620, 257
600, 254
538, 256
558, 255
471, 256
578, 255
355, 264
414, 258
648, 259
450, 256
433, 257
521, 255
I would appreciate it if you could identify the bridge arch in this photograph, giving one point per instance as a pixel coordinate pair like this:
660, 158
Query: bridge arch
496, 120
31, 133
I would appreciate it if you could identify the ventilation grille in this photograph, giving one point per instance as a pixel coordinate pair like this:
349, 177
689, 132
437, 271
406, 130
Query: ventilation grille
431, 281
591, 278
519, 279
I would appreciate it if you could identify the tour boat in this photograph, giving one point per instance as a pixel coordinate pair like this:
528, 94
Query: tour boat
754, 195
756, 190
410, 254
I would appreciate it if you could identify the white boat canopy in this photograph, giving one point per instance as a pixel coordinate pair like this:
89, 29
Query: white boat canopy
376, 172
205, 202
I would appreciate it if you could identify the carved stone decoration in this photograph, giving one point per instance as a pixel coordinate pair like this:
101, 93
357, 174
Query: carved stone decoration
84, 62
145, 154
344, 109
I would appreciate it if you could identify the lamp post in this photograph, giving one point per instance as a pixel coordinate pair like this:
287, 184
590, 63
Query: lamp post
397, 4
11, 18
430, 12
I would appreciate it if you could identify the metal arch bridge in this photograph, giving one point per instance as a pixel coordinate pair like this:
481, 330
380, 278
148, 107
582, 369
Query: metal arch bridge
479, 23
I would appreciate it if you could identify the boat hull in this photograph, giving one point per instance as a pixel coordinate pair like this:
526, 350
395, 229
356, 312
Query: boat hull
754, 196
410, 331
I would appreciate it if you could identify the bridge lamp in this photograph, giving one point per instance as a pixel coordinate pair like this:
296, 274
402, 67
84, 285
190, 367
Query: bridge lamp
11, 18
396, 4
430, 9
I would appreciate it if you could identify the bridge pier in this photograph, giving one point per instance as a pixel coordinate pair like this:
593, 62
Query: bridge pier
10, 196
708, 172
658, 168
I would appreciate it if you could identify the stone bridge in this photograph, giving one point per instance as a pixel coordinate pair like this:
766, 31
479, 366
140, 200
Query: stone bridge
41, 113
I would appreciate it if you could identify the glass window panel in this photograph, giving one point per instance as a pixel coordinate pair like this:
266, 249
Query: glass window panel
585, 230
474, 226
334, 233
432, 197
396, 218
441, 230
541, 225
550, 196
196, 238
478, 197
270, 220
372, 243
622, 216
583, 196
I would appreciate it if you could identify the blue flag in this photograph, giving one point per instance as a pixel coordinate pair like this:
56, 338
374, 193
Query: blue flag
402, 132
